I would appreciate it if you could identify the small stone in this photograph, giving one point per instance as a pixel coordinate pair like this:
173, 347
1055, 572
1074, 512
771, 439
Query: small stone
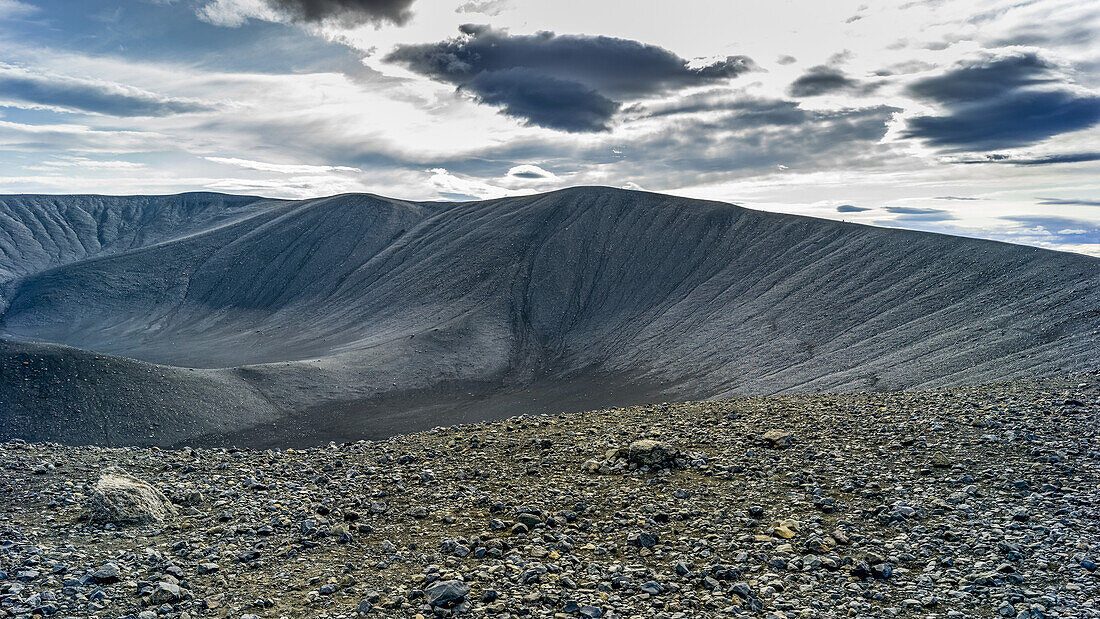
861, 570
165, 593
107, 573
742, 590
882, 571
642, 539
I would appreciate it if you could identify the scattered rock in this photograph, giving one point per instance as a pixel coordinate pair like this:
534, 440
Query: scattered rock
846, 522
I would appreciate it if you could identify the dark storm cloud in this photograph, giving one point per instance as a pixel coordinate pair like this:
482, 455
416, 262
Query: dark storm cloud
1067, 202
824, 79
1004, 102
347, 11
89, 96
532, 76
544, 101
851, 208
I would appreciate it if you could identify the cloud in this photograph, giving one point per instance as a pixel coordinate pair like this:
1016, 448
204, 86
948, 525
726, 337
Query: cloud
1001, 102
95, 96
86, 163
1067, 202
913, 210
744, 111
785, 59
280, 168
851, 208
905, 68
1050, 228
531, 172
954, 198
485, 7
1029, 160
14, 8
695, 149
913, 214
566, 82
454, 187
822, 79
348, 11
544, 101
70, 138
233, 13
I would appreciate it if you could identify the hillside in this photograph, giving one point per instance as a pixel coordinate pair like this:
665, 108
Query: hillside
360, 316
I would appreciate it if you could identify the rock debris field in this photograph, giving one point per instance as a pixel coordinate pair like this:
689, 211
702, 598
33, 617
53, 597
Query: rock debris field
970, 502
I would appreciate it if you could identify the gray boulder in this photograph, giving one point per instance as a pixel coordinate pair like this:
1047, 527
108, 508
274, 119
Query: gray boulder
121, 499
446, 591
651, 453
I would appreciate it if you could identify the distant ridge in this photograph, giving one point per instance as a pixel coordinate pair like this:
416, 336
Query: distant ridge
360, 316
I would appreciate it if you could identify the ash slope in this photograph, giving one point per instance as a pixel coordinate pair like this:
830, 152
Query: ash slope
357, 315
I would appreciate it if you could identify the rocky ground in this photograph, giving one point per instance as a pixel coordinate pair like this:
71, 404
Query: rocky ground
972, 502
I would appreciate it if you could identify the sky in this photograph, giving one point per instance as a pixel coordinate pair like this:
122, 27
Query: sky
975, 118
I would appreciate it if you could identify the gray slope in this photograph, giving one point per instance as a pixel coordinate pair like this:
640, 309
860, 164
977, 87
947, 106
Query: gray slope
358, 315
38, 232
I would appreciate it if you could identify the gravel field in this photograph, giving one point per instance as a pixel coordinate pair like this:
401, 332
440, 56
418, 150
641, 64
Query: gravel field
968, 502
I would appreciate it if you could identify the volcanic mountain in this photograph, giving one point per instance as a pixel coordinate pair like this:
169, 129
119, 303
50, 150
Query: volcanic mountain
215, 319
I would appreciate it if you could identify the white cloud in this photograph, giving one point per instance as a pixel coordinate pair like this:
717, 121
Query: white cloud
235, 13
94, 164
14, 8
75, 138
531, 173
455, 186
279, 167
